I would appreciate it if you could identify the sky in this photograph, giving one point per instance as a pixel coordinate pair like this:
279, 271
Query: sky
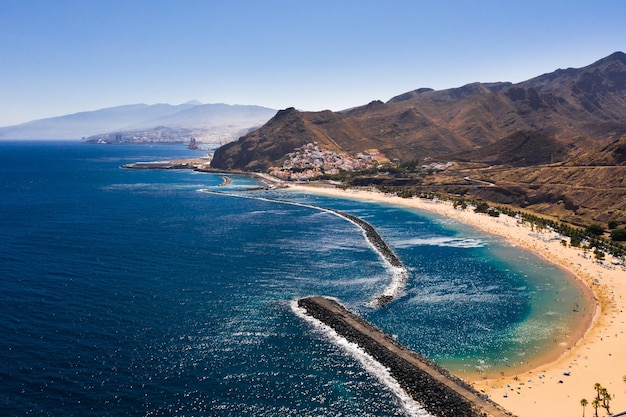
60, 57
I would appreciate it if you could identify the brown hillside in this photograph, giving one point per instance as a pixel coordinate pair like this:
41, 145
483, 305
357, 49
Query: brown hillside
578, 194
573, 110
520, 149
287, 130
612, 154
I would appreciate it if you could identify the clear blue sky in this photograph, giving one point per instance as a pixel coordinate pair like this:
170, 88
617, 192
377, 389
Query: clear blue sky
65, 56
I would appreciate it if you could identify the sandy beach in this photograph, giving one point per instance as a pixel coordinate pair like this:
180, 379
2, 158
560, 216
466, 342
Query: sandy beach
596, 351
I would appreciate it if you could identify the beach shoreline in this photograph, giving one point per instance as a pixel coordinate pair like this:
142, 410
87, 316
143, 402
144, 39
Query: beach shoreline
593, 351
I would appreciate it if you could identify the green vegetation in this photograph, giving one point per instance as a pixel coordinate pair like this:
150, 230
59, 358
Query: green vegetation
605, 397
618, 235
459, 203
406, 194
594, 229
395, 171
589, 237
481, 207
409, 166
493, 212
577, 235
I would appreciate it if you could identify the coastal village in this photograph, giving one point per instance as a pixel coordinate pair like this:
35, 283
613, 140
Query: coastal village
311, 161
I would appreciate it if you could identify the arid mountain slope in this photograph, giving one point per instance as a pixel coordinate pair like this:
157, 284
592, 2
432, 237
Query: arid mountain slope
612, 154
584, 190
523, 148
287, 130
574, 110
597, 89
577, 194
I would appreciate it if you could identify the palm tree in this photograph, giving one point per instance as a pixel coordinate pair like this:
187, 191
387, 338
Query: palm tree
606, 400
584, 403
597, 387
596, 401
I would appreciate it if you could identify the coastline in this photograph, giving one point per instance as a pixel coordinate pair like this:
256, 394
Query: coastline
593, 351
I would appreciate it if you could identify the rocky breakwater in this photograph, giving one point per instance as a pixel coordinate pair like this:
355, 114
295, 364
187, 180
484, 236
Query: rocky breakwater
372, 235
440, 393
384, 250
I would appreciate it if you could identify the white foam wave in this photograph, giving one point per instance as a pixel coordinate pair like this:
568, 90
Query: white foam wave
441, 241
267, 212
400, 276
371, 365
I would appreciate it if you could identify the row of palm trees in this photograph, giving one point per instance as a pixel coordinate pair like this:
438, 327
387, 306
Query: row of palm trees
603, 399
577, 235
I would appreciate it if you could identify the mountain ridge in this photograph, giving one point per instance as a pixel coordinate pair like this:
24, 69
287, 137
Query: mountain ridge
580, 108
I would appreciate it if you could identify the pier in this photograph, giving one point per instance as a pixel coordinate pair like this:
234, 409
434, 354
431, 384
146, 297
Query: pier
440, 393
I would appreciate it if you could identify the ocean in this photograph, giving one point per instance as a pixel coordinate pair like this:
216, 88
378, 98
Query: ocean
134, 293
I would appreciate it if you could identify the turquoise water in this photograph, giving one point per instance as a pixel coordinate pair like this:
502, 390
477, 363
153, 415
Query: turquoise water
128, 292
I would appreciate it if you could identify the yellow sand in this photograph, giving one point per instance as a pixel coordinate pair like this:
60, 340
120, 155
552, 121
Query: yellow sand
598, 356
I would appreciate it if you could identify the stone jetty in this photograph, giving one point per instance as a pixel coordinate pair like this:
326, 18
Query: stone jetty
372, 235
440, 393
382, 247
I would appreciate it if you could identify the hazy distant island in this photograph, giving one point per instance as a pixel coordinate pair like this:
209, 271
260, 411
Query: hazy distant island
143, 123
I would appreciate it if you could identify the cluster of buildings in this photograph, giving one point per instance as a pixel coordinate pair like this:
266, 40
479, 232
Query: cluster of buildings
310, 161
437, 166
151, 136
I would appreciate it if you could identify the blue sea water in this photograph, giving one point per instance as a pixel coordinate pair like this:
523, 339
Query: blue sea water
131, 293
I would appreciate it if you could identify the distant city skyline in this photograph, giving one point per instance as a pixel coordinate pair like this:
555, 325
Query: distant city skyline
61, 57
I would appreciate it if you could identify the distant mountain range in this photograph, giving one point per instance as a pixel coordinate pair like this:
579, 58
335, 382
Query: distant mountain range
207, 122
555, 144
